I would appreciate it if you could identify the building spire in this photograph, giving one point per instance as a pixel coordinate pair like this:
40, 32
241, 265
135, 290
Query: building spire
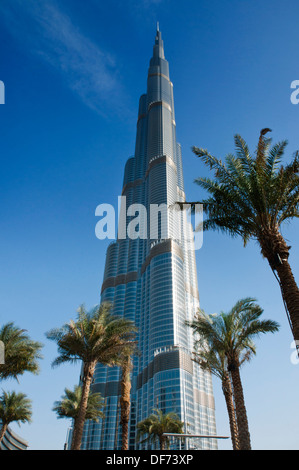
158, 47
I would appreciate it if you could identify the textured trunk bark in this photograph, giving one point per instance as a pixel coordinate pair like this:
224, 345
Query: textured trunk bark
125, 403
162, 441
290, 293
228, 395
275, 249
3, 431
88, 372
242, 421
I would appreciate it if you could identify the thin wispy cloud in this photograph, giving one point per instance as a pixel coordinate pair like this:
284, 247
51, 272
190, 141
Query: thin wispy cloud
88, 70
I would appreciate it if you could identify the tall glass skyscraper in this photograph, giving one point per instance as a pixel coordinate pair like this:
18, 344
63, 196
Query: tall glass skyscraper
151, 279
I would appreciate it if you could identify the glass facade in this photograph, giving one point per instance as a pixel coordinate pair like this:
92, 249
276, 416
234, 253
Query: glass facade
153, 281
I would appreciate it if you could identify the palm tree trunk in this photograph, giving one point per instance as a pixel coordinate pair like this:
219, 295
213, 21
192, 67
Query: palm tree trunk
88, 371
290, 293
3, 431
162, 442
242, 421
228, 395
125, 402
275, 249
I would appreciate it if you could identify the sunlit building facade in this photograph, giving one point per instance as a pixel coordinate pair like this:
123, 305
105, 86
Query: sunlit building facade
151, 279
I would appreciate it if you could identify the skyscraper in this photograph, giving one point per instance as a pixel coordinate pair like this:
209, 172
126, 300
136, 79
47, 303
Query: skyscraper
151, 279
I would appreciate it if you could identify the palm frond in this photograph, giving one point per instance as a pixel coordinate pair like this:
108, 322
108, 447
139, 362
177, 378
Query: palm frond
248, 194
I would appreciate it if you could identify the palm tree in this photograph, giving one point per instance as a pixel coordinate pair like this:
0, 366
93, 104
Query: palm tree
68, 406
232, 333
96, 336
125, 400
156, 425
251, 196
216, 363
125, 363
13, 407
20, 352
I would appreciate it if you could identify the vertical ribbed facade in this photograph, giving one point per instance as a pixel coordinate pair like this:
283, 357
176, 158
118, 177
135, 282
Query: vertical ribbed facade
153, 282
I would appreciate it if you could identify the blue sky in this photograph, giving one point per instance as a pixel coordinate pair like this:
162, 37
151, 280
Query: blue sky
73, 73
